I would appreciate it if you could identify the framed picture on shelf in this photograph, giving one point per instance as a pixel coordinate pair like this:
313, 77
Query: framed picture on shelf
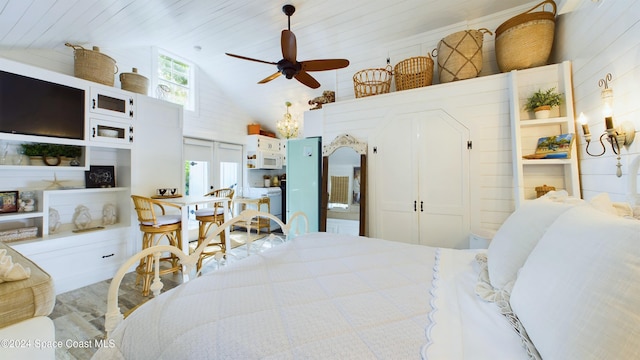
100, 177
8, 202
553, 147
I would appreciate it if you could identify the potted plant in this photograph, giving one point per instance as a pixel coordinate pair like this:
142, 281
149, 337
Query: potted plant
50, 154
541, 102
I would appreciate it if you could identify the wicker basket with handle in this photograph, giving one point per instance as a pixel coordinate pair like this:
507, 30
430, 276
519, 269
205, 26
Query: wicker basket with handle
92, 65
370, 82
525, 40
413, 72
460, 55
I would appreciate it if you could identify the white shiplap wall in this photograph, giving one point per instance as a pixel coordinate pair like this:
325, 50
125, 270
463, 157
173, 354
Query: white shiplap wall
600, 38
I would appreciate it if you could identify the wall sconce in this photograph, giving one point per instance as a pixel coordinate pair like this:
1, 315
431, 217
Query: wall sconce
617, 137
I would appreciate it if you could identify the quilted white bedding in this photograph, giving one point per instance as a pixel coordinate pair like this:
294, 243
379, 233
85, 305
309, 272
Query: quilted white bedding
324, 296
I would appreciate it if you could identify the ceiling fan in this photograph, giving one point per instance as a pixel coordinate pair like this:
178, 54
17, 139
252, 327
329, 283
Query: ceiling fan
289, 66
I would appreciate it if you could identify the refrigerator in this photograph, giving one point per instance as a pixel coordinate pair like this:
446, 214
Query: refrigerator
304, 167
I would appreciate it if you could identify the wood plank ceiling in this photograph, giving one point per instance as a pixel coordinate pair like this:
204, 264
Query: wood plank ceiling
324, 29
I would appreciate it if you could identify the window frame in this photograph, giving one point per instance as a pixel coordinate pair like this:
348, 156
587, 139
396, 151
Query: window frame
192, 101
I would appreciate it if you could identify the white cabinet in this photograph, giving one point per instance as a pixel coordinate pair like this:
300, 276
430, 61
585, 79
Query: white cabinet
108, 131
421, 189
78, 258
264, 143
526, 130
112, 102
157, 148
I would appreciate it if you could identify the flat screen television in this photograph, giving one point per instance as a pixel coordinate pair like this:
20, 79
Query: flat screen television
31, 106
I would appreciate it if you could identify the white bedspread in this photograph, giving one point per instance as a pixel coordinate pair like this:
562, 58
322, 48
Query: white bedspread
320, 296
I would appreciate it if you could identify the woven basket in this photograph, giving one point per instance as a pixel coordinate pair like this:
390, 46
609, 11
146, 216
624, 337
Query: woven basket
134, 82
413, 72
541, 190
92, 65
460, 55
525, 40
370, 82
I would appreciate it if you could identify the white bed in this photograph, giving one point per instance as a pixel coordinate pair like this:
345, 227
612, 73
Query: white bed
571, 280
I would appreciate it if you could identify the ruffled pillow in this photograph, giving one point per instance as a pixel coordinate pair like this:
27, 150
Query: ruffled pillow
10, 271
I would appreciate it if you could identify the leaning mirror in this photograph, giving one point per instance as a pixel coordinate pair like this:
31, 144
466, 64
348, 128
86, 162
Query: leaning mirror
344, 169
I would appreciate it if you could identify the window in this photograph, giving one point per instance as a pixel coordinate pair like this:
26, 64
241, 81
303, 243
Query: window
175, 80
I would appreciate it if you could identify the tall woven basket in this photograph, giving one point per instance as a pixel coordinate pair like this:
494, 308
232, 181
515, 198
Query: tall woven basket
413, 72
370, 82
92, 65
525, 40
460, 55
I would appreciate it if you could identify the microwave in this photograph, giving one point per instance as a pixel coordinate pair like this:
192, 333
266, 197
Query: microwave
268, 160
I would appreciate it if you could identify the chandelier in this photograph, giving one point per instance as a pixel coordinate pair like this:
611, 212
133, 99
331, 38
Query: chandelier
287, 127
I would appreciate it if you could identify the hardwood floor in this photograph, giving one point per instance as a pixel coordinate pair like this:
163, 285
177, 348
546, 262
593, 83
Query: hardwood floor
79, 314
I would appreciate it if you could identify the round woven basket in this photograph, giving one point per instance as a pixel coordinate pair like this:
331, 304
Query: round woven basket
413, 72
92, 65
134, 82
370, 82
525, 40
460, 55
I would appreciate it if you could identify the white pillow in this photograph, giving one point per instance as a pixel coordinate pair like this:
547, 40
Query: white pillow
578, 294
517, 236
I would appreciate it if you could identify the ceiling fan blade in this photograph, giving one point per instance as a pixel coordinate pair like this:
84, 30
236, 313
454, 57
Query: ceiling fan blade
269, 78
251, 59
307, 79
326, 64
289, 47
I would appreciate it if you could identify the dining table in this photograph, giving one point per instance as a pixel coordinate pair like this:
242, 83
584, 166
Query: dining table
191, 200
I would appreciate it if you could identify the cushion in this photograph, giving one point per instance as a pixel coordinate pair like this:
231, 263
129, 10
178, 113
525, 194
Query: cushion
578, 293
517, 236
209, 211
24, 299
164, 220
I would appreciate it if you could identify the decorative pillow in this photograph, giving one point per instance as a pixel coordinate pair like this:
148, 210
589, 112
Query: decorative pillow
517, 236
10, 271
578, 294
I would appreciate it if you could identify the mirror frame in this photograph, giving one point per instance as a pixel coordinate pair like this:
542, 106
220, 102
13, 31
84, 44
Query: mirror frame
344, 140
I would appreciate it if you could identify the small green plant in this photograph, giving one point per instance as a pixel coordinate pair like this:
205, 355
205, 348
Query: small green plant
44, 149
550, 98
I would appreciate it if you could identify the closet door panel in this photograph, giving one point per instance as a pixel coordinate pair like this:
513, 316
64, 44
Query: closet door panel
396, 180
443, 163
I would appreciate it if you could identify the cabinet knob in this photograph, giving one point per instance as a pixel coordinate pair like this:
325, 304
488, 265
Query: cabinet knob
107, 256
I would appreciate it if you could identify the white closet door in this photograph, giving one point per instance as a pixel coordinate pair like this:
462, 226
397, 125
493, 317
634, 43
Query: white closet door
443, 163
396, 180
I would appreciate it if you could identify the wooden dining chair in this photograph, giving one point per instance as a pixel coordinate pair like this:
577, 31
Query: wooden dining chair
155, 225
207, 217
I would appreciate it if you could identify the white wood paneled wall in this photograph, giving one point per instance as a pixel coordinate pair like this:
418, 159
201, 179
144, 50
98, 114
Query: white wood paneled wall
600, 38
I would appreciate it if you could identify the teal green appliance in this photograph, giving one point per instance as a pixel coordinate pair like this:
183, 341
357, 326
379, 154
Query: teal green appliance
304, 167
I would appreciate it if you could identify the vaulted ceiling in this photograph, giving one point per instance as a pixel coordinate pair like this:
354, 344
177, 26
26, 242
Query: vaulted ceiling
203, 30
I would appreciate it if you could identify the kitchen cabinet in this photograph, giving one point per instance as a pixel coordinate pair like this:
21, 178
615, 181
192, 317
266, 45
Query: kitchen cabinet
526, 130
421, 171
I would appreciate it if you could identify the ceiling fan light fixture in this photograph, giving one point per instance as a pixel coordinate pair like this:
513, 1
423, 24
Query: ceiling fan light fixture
289, 66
